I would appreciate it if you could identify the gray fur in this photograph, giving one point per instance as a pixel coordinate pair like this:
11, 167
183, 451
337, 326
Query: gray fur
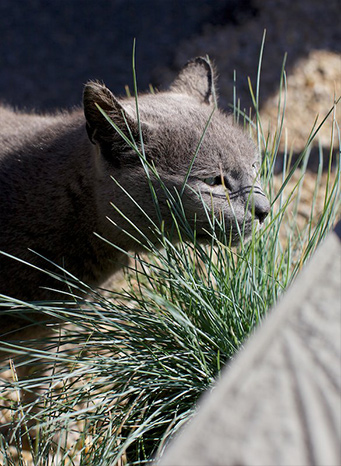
56, 186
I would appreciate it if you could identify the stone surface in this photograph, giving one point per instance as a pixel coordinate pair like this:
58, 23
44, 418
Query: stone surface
279, 401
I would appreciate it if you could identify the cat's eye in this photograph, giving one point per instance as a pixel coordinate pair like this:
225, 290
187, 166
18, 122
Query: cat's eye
218, 181
213, 180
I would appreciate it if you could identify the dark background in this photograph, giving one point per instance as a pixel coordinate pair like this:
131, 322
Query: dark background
50, 48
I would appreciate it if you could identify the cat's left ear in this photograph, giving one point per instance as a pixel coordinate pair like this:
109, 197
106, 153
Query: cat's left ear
98, 128
196, 79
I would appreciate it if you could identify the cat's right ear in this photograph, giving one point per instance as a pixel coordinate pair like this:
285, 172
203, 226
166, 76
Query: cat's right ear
197, 79
99, 129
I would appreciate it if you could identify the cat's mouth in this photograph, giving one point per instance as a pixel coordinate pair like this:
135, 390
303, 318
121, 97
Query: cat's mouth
231, 233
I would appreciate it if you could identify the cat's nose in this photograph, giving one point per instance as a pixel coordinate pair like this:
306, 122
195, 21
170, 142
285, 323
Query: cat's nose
261, 207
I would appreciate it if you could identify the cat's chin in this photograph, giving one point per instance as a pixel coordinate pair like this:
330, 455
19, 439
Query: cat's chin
232, 239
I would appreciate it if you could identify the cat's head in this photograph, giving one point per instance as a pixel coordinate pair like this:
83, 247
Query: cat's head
188, 140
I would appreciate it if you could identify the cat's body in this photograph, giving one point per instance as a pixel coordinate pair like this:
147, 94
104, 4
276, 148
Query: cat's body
56, 188
49, 205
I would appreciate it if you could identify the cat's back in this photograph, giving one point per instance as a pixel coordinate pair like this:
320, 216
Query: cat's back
20, 129
17, 124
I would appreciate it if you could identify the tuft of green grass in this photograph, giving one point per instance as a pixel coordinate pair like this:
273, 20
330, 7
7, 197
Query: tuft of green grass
125, 373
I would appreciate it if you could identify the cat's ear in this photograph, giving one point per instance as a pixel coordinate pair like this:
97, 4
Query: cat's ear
196, 79
99, 129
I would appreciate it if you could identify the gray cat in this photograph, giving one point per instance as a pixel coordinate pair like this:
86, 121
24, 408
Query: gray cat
56, 187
